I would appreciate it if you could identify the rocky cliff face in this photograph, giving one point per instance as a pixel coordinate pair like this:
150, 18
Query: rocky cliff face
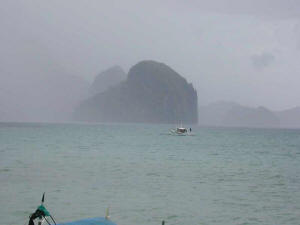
107, 79
152, 93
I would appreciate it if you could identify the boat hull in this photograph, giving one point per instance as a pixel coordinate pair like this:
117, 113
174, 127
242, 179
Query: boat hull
90, 221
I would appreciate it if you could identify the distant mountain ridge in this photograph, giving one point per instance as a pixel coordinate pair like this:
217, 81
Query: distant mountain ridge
231, 114
290, 117
152, 93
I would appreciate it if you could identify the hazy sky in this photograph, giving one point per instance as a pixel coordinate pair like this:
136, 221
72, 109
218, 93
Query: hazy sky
246, 51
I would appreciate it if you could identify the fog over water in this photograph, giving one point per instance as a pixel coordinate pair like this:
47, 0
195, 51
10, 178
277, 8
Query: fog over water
242, 51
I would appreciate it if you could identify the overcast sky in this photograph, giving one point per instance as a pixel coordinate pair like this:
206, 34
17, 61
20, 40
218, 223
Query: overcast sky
246, 51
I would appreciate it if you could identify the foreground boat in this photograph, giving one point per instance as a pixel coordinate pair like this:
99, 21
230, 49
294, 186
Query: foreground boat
42, 216
91, 221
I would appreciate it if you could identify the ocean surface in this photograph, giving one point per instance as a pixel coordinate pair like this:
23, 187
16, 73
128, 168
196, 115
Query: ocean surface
219, 176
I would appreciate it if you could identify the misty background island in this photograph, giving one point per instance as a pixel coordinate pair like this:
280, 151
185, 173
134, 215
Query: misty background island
151, 92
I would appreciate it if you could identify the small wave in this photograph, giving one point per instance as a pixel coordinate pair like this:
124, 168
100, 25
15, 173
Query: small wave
172, 217
4, 170
153, 174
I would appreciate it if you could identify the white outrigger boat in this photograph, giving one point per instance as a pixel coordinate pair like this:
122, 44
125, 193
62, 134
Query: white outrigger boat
179, 131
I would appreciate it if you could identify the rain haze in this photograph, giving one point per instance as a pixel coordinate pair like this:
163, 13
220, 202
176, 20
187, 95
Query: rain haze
241, 51
150, 112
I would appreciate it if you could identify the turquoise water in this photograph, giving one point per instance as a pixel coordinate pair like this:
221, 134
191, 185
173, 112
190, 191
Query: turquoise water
219, 176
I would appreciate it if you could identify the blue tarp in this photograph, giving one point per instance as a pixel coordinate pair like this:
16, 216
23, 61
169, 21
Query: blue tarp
90, 221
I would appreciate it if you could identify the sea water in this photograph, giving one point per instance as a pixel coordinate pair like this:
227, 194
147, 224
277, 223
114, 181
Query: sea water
144, 175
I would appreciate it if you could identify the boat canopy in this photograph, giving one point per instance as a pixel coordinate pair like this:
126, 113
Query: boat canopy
181, 129
91, 221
